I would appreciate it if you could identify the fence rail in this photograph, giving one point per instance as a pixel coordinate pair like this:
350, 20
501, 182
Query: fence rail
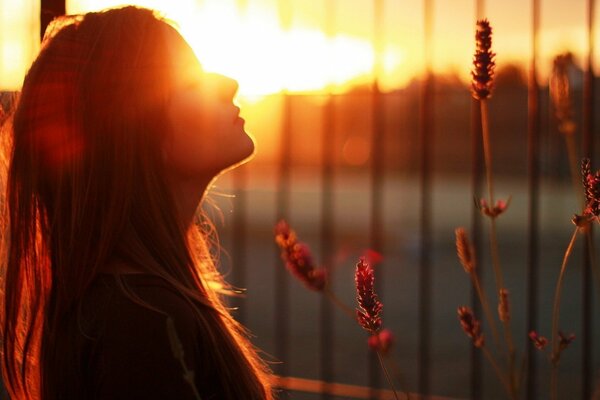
346, 391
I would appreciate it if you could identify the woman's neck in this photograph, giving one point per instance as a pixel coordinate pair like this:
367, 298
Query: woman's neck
188, 194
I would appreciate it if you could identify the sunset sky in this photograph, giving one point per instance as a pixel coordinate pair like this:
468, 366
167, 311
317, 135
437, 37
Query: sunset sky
250, 41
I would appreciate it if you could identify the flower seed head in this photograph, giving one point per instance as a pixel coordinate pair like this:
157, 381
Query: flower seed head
503, 306
565, 340
591, 185
298, 258
493, 212
539, 341
381, 341
470, 325
560, 93
483, 62
368, 313
465, 251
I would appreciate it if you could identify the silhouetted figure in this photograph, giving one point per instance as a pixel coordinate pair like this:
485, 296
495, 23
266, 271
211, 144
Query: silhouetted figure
108, 274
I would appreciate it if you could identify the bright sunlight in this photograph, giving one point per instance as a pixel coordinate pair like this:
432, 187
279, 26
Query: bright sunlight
250, 45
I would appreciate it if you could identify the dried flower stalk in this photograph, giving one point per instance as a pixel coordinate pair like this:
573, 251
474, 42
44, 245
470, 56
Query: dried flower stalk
368, 313
472, 328
298, 258
561, 95
482, 84
299, 262
591, 185
540, 342
466, 256
493, 211
483, 62
556, 341
503, 306
465, 251
382, 341
565, 340
471, 325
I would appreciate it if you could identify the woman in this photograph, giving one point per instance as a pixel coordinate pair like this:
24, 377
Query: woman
110, 290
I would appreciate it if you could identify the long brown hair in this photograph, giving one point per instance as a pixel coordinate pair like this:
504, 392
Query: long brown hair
85, 185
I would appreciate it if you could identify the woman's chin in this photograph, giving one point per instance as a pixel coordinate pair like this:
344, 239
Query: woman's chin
248, 149
245, 154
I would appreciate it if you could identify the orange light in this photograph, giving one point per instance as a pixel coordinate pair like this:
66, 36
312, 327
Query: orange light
356, 150
252, 47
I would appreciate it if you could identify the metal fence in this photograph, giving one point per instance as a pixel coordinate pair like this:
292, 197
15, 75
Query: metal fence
427, 133
238, 233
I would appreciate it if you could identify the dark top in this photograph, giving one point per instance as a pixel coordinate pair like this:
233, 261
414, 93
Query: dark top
126, 352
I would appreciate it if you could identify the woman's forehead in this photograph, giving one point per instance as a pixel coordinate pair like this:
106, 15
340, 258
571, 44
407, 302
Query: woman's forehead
182, 59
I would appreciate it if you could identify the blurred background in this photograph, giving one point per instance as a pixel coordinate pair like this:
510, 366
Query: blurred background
367, 140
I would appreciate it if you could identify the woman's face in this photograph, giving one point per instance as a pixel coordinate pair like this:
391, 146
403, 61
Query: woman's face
207, 135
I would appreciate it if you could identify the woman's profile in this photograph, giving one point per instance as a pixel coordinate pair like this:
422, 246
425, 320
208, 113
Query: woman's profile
107, 269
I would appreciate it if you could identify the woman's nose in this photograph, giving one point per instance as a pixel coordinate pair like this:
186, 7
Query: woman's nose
225, 87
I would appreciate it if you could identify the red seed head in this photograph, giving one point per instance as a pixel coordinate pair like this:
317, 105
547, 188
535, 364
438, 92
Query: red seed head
465, 251
591, 185
483, 62
369, 305
539, 341
298, 258
493, 212
470, 325
382, 341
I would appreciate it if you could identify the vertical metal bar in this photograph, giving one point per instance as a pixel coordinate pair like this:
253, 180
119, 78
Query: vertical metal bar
476, 190
327, 221
426, 142
533, 160
377, 170
281, 293
588, 151
49, 10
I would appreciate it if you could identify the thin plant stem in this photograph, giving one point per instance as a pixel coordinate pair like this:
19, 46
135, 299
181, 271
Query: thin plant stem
495, 255
338, 303
348, 311
498, 371
396, 372
556, 315
387, 375
486, 308
510, 347
487, 148
511, 355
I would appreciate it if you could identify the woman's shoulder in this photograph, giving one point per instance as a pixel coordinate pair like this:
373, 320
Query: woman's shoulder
139, 337
126, 298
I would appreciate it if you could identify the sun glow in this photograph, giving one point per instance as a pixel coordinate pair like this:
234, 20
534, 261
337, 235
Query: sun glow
16, 53
250, 45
